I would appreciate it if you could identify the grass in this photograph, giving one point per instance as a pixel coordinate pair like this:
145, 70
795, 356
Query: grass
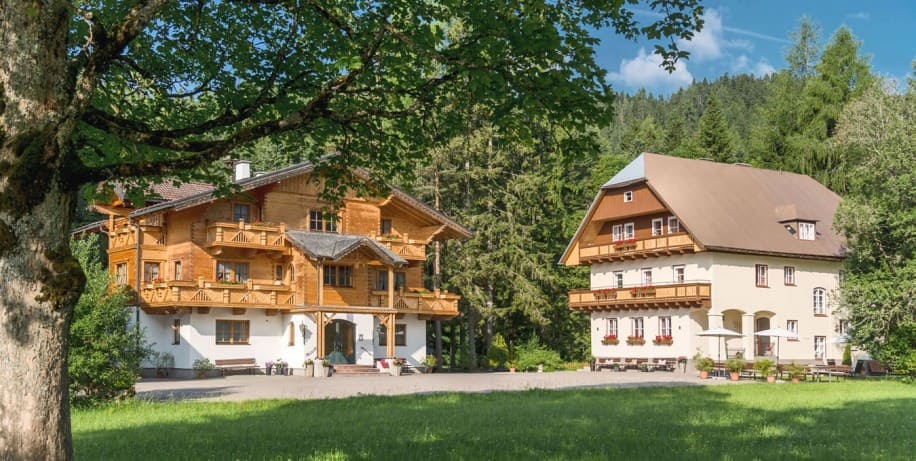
848, 420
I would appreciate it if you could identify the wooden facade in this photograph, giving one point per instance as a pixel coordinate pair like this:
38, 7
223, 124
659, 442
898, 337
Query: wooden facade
207, 252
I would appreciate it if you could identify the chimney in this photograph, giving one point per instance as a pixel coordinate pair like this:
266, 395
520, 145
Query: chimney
242, 169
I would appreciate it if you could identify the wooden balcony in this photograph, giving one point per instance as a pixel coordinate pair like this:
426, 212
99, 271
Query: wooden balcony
244, 235
166, 297
634, 249
431, 304
409, 249
677, 295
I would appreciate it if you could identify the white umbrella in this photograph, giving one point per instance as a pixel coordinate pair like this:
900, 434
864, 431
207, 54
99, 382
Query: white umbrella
841, 339
777, 333
720, 333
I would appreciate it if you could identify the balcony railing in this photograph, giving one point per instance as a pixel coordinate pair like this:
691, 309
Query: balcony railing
437, 303
244, 235
404, 247
632, 249
250, 294
687, 294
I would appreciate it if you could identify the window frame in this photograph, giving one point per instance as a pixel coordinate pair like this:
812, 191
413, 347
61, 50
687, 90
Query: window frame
334, 275
661, 227
628, 196
683, 273
638, 327
820, 347
148, 275
241, 206
176, 270
629, 231
611, 325
121, 277
384, 226
617, 232
645, 276
234, 274
676, 228
806, 230
792, 326
320, 221
618, 279
400, 335
292, 334
665, 326
233, 324
176, 332
788, 276
761, 275
843, 327
819, 301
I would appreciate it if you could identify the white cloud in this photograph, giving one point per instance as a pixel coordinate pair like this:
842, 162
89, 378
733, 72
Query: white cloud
760, 68
707, 44
860, 15
643, 71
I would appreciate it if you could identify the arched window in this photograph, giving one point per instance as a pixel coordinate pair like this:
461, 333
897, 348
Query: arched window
820, 301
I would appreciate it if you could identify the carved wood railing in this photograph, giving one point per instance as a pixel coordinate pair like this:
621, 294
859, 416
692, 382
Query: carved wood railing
430, 302
251, 294
404, 247
666, 244
688, 294
244, 235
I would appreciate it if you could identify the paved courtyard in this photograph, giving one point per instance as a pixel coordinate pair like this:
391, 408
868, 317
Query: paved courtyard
248, 387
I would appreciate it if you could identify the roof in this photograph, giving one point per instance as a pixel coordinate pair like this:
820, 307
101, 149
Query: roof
199, 196
319, 245
735, 207
167, 191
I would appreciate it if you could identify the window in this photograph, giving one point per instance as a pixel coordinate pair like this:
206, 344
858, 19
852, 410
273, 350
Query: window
121, 273
381, 280
664, 326
400, 280
241, 212
617, 232
843, 327
400, 335
291, 331
820, 301
806, 230
658, 227
612, 327
762, 275
322, 222
629, 231
232, 272
278, 272
792, 327
678, 274
338, 276
176, 331
674, 225
628, 196
232, 332
638, 327
384, 227
788, 275
176, 271
646, 277
151, 272
618, 279
820, 346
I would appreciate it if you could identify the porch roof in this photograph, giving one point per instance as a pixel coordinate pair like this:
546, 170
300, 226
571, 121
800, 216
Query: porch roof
319, 245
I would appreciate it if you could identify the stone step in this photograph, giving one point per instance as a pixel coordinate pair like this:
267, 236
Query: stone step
355, 370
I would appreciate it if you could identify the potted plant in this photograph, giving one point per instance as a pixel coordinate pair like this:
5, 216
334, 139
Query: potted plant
280, 367
395, 365
430, 363
309, 366
663, 340
512, 366
796, 371
202, 366
323, 368
735, 365
268, 367
766, 367
610, 340
636, 340
164, 362
703, 364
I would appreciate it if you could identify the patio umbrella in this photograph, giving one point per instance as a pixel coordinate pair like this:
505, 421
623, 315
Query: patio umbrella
777, 333
720, 333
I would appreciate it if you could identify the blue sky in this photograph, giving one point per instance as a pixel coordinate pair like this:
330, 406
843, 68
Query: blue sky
752, 37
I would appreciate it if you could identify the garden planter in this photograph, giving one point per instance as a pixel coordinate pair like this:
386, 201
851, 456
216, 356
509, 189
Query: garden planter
309, 370
395, 370
795, 380
704, 375
771, 379
322, 371
734, 376
201, 374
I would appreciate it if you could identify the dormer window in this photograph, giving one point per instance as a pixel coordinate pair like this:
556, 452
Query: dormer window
806, 230
628, 196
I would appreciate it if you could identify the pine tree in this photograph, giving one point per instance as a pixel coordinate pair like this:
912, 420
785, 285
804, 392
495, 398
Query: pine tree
713, 136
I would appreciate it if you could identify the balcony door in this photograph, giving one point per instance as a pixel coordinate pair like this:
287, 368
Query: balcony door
340, 341
763, 342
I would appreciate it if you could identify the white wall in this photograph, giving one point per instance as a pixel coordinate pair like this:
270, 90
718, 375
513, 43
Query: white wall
696, 268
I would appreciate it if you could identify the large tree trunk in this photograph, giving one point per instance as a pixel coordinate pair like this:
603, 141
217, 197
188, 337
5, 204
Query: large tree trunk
40, 280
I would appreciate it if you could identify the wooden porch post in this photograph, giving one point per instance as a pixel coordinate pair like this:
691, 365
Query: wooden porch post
320, 297
391, 287
390, 337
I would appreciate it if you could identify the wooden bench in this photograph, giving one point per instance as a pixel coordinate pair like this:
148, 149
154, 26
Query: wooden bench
250, 365
612, 363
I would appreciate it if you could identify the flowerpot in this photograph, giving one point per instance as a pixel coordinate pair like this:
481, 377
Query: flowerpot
734, 376
395, 370
795, 380
771, 378
201, 374
310, 370
704, 375
512, 370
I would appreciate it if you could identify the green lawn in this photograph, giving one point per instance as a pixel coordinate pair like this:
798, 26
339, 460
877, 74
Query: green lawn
837, 421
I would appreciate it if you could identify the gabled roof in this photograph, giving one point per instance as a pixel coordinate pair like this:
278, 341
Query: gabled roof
319, 245
204, 196
735, 207
166, 190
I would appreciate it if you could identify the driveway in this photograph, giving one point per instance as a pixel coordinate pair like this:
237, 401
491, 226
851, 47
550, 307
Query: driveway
249, 387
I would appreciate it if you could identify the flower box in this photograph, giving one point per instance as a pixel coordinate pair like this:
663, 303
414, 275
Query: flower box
636, 340
605, 294
663, 341
610, 340
645, 291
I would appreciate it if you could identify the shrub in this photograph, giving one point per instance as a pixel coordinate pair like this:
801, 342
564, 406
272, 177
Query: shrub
847, 355
532, 354
703, 363
735, 364
498, 354
105, 349
765, 367
203, 364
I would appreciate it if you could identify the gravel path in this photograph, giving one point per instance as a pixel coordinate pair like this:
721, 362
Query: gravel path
248, 387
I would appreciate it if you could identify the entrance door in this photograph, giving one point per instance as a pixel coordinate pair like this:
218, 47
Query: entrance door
340, 341
763, 342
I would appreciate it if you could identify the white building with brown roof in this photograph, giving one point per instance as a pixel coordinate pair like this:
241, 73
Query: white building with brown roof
677, 246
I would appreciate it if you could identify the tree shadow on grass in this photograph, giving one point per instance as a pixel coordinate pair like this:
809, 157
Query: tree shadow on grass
662, 423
